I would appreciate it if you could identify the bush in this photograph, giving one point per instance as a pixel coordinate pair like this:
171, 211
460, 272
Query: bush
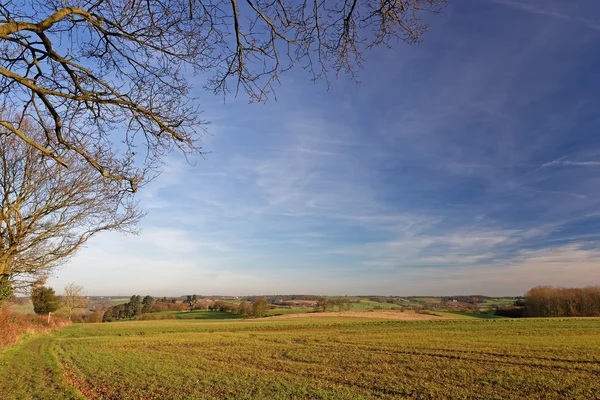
96, 316
78, 318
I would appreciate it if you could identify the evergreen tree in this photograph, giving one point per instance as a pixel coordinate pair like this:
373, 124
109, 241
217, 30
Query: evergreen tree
147, 304
44, 300
134, 306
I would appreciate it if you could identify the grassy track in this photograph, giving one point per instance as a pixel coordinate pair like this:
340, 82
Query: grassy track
328, 358
31, 370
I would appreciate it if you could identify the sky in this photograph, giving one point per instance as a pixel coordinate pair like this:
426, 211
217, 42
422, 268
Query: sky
469, 164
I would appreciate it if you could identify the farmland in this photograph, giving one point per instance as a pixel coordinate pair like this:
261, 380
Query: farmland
316, 358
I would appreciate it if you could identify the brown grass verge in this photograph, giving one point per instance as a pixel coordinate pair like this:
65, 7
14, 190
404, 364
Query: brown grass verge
13, 326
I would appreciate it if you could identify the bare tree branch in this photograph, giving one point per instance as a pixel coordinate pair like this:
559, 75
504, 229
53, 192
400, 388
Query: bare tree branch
48, 212
104, 72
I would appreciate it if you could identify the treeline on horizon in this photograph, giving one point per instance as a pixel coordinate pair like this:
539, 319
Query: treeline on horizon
541, 301
549, 301
147, 308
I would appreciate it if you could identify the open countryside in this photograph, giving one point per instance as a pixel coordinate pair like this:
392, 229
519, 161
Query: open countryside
325, 358
292, 199
374, 350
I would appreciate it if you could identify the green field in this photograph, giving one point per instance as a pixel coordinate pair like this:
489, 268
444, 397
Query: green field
312, 358
293, 310
367, 304
204, 315
465, 315
119, 300
26, 308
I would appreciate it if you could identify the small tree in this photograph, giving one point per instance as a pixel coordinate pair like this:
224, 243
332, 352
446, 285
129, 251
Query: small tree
96, 316
135, 306
73, 298
191, 300
260, 307
348, 305
323, 304
244, 309
147, 304
44, 300
339, 302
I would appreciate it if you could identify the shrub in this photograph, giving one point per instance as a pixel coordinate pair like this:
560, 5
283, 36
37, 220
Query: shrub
13, 326
96, 316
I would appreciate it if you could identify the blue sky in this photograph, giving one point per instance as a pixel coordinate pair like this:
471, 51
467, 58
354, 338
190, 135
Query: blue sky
468, 164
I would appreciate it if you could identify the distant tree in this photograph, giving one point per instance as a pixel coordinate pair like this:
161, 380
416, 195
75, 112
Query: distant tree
191, 300
340, 303
147, 304
96, 316
121, 311
548, 301
134, 306
348, 305
111, 314
260, 306
520, 303
244, 308
323, 304
223, 306
73, 298
44, 300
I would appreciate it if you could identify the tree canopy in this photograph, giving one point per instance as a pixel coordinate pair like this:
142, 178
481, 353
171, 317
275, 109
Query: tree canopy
90, 74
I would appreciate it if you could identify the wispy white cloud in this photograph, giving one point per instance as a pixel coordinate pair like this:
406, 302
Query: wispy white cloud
569, 163
430, 177
536, 8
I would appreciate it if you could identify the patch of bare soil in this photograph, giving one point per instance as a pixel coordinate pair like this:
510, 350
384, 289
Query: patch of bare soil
396, 315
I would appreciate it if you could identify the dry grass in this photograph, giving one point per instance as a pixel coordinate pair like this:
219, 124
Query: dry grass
13, 326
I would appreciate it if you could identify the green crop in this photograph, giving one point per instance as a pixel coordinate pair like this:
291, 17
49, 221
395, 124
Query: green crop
324, 358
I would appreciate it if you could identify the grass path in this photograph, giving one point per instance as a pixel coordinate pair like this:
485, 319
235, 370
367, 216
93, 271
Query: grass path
30, 370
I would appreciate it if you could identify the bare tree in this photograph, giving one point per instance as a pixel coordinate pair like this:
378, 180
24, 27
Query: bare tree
48, 212
191, 301
73, 298
260, 306
89, 73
